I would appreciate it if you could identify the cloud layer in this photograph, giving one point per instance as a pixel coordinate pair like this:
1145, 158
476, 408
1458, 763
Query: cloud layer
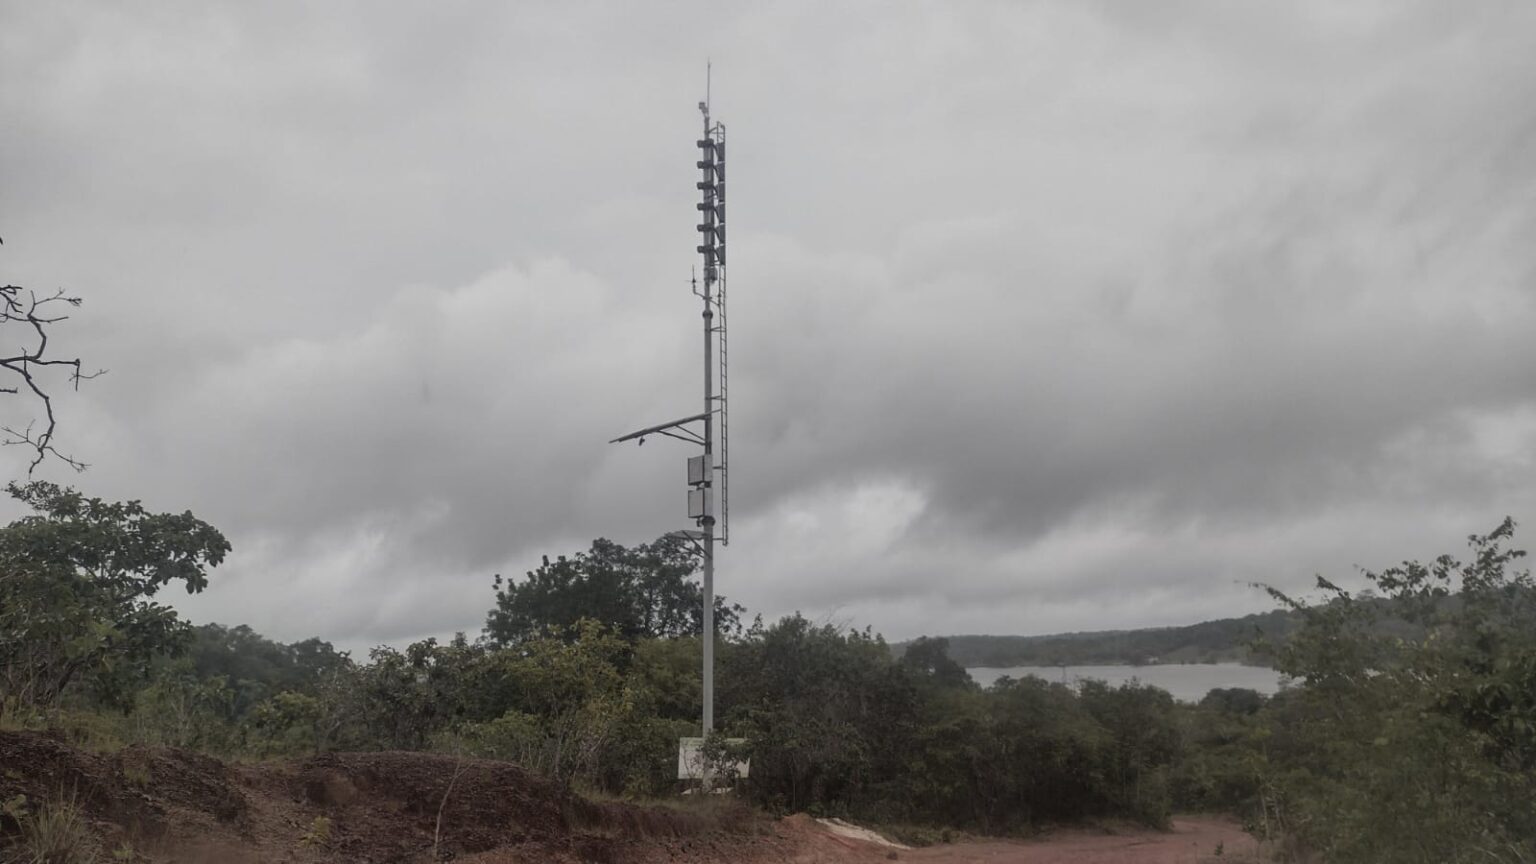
1044, 316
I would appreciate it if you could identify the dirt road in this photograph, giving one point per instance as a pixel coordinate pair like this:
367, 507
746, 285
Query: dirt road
1193, 840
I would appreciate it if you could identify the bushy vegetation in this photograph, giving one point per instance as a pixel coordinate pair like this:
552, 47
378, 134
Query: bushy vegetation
76, 586
1420, 748
1411, 739
1410, 734
636, 592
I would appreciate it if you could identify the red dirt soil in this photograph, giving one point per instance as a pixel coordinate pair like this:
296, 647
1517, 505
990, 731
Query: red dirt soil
1193, 839
389, 808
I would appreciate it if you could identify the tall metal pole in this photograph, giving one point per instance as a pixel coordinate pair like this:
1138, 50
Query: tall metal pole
707, 524
702, 469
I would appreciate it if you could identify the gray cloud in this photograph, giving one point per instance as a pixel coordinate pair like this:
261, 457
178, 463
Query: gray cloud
1045, 316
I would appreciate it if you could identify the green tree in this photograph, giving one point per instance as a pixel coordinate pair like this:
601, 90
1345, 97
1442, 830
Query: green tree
825, 710
1035, 756
639, 592
1222, 764
258, 667
1418, 743
178, 708
1140, 720
76, 582
560, 704
407, 697
930, 658
666, 672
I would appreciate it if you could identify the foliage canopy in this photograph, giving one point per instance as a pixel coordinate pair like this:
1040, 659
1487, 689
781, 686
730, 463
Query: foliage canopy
638, 592
76, 582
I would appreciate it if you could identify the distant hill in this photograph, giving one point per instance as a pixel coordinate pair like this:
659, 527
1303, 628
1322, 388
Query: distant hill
1225, 640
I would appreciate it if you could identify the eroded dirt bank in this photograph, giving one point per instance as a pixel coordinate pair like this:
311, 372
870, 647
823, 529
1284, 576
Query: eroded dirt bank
376, 808
410, 808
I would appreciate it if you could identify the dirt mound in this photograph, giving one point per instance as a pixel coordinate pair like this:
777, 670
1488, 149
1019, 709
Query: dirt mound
393, 806
380, 808
412, 808
114, 792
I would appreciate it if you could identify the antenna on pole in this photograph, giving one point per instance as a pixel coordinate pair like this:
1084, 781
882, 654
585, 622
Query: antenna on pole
712, 234
704, 471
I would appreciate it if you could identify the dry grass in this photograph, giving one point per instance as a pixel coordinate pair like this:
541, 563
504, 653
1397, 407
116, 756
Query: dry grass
54, 832
639, 817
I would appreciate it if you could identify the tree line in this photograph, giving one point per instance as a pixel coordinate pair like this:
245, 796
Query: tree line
1225, 640
1414, 704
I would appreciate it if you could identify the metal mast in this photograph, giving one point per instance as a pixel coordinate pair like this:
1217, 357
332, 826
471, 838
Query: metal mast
703, 469
711, 229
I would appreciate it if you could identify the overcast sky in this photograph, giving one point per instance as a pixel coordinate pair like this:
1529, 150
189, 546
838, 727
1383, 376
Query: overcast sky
1045, 316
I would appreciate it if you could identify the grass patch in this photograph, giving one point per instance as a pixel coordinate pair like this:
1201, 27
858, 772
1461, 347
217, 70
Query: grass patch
917, 835
319, 833
98, 733
661, 816
53, 832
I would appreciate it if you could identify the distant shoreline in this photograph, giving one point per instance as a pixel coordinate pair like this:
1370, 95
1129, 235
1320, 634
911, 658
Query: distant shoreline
1227, 640
1186, 682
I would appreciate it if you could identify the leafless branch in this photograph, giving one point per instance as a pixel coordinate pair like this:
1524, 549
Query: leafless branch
23, 307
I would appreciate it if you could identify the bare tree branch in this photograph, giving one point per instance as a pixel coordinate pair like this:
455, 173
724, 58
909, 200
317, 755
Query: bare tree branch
31, 362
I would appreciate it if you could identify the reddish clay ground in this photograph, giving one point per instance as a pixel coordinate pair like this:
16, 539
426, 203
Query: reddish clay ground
1193, 839
414, 808
360, 808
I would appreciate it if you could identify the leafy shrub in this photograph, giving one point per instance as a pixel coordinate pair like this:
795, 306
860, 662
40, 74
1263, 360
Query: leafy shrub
1416, 743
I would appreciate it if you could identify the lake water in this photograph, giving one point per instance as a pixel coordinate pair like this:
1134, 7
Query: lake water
1188, 682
